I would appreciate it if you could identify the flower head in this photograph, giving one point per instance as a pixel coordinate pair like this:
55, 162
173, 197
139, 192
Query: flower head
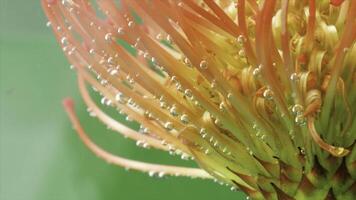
261, 94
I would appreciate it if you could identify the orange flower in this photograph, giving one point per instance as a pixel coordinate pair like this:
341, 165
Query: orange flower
261, 94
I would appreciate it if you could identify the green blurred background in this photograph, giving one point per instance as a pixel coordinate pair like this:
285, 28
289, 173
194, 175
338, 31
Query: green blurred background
41, 156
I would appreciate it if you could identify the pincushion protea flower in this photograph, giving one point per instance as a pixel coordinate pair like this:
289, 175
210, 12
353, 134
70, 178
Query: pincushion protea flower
261, 94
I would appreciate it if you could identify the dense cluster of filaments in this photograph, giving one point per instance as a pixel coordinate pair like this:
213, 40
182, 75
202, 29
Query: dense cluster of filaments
261, 94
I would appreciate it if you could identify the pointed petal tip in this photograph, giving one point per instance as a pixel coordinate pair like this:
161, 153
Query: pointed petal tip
68, 103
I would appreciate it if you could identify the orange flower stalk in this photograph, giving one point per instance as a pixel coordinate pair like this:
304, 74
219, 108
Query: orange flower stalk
260, 93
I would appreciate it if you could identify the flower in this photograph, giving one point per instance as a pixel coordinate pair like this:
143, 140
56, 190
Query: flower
261, 94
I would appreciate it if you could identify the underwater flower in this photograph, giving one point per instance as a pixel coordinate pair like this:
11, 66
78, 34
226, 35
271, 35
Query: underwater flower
260, 93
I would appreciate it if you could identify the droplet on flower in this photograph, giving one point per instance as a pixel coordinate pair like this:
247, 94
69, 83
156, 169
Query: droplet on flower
151, 173
184, 156
242, 53
213, 84
188, 93
173, 111
229, 95
146, 55
139, 143
168, 126
207, 151
111, 60
91, 51
222, 106
203, 64
114, 72
302, 150
159, 36
103, 82
184, 118
257, 71
263, 137
130, 101
169, 39
163, 104
148, 114
187, 62
64, 40
130, 23
161, 174
294, 77
241, 39
300, 120
179, 87
105, 101
297, 109
128, 118
202, 131
120, 30
224, 150
119, 97
108, 36
268, 94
